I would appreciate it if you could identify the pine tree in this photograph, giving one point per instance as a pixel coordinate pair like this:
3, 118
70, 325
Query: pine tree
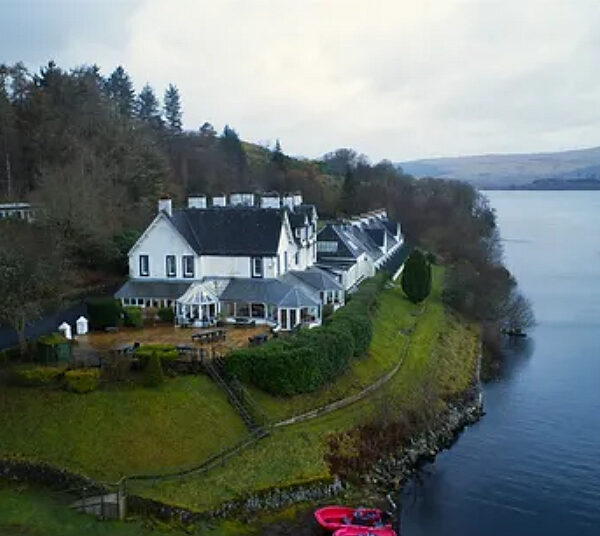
147, 106
278, 157
172, 108
416, 277
120, 90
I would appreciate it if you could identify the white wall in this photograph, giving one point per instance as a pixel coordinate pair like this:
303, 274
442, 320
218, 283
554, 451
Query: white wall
160, 239
286, 244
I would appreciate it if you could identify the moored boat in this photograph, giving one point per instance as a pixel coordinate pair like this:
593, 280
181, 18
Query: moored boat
353, 530
333, 518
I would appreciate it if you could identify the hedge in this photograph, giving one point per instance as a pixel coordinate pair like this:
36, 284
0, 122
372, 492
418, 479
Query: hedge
35, 376
166, 314
307, 360
166, 353
82, 381
104, 312
153, 372
133, 317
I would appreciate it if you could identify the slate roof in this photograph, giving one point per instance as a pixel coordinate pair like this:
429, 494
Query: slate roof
272, 291
376, 235
313, 277
230, 230
152, 289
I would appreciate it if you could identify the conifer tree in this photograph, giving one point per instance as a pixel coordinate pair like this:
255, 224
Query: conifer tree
147, 106
172, 108
119, 89
416, 277
278, 157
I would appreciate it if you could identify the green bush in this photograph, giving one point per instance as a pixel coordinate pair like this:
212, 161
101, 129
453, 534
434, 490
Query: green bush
166, 314
153, 372
104, 312
82, 381
305, 361
133, 317
35, 376
416, 277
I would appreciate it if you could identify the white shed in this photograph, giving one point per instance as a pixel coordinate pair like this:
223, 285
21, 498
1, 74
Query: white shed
65, 329
81, 326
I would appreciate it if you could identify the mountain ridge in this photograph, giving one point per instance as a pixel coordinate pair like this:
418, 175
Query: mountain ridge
517, 170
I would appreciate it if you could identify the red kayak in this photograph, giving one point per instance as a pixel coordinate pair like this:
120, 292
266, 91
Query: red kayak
365, 531
338, 517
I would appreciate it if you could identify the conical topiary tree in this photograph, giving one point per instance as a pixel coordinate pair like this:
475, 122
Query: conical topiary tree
153, 372
416, 277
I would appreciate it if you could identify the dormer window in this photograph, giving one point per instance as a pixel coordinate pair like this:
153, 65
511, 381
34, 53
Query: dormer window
171, 267
144, 265
188, 266
257, 266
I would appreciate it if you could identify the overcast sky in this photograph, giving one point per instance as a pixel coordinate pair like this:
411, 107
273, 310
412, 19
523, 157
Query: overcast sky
397, 79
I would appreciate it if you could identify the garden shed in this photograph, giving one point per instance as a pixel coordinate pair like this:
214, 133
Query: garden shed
53, 348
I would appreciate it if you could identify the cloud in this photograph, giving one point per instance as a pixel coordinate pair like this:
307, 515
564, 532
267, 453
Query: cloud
398, 79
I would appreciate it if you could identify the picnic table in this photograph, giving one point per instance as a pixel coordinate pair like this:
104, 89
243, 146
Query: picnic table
210, 335
257, 340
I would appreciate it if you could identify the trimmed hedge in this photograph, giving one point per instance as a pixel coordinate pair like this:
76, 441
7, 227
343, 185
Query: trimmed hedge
35, 376
166, 314
133, 317
166, 353
307, 360
82, 381
104, 312
153, 372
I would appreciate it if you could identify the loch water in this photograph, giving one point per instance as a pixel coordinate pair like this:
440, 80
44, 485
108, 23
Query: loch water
531, 466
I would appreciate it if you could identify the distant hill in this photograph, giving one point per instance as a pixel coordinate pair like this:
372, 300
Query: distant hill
579, 169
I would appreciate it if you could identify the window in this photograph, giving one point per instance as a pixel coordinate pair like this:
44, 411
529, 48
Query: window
257, 266
188, 266
297, 232
285, 262
171, 268
297, 258
327, 246
144, 265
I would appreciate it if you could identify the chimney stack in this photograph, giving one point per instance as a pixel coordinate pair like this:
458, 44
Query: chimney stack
197, 201
270, 200
242, 199
297, 198
165, 205
219, 200
288, 201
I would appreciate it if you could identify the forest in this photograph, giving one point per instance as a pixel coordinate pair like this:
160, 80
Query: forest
93, 155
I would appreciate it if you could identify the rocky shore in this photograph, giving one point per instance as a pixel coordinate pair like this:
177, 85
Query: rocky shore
394, 471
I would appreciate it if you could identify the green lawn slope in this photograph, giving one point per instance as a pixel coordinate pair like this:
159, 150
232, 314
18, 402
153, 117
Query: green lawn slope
442, 353
109, 433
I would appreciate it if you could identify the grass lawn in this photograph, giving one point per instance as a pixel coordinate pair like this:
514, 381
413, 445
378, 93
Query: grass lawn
442, 351
121, 430
27, 510
395, 316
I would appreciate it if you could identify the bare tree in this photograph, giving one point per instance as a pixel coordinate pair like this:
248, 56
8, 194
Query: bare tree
31, 266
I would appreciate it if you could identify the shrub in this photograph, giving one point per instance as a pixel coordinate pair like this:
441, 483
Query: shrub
166, 314
35, 376
133, 317
82, 380
309, 359
104, 312
327, 311
153, 372
416, 277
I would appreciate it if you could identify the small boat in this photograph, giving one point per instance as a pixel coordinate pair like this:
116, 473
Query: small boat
353, 530
333, 518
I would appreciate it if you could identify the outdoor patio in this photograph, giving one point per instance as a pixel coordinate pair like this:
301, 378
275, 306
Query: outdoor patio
235, 337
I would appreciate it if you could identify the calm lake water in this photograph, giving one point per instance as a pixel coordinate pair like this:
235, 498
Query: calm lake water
532, 465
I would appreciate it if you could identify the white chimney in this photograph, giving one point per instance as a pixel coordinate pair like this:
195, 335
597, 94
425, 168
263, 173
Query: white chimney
165, 205
270, 200
297, 199
197, 201
243, 199
219, 200
288, 201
